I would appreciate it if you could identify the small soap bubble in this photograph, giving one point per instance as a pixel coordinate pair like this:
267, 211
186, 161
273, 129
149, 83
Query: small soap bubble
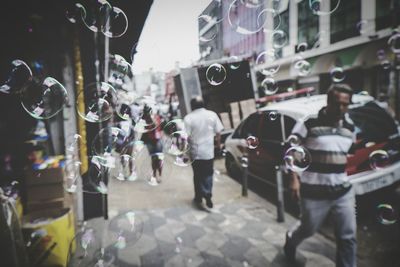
297, 158
216, 74
269, 86
386, 214
293, 140
252, 142
320, 7
394, 43
378, 159
337, 74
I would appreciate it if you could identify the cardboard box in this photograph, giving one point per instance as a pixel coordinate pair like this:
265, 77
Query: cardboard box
225, 120
57, 203
44, 192
45, 176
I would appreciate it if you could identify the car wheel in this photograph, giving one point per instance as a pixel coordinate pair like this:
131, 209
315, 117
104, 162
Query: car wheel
231, 166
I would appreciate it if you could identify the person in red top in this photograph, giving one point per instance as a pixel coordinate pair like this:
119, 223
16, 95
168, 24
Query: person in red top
152, 140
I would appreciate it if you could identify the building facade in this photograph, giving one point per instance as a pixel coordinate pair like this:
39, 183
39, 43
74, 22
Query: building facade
319, 43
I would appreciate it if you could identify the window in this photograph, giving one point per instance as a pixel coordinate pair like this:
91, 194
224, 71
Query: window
248, 127
387, 14
344, 20
308, 24
283, 21
373, 123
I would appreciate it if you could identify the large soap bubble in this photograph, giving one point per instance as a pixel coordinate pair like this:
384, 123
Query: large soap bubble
101, 100
18, 76
44, 100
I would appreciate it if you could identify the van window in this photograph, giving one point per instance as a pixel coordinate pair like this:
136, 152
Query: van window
372, 122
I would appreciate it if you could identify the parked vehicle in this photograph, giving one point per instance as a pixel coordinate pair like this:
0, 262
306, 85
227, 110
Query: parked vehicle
272, 125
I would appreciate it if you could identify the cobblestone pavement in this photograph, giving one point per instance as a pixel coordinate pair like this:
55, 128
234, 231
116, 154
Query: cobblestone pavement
169, 231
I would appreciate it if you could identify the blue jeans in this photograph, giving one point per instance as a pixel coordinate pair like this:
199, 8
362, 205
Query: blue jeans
203, 178
314, 212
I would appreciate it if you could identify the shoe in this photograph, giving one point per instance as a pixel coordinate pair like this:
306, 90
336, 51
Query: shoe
289, 250
198, 204
209, 202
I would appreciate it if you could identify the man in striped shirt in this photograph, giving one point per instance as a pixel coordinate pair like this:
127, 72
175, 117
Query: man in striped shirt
324, 187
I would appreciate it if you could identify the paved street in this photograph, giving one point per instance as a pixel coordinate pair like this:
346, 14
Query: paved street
236, 232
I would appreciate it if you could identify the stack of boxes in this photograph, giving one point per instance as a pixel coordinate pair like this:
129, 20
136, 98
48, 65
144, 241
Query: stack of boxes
44, 189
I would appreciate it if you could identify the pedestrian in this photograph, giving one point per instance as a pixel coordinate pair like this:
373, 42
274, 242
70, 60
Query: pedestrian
324, 187
152, 139
203, 126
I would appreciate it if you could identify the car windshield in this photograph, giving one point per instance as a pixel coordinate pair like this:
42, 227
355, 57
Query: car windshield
372, 122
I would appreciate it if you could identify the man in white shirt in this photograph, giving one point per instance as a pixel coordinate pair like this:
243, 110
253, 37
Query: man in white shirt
202, 125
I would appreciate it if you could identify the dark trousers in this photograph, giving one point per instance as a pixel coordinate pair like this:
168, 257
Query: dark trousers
203, 178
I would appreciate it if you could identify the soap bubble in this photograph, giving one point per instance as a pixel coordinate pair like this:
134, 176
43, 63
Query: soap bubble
257, 14
378, 159
174, 126
303, 67
72, 174
234, 62
252, 142
87, 243
365, 27
272, 115
320, 7
17, 78
96, 179
177, 143
293, 140
74, 144
267, 62
101, 99
116, 24
302, 47
279, 39
386, 214
100, 12
44, 100
144, 113
125, 229
270, 86
108, 140
216, 74
185, 159
75, 13
394, 43
337, 74
297, 158
118, 70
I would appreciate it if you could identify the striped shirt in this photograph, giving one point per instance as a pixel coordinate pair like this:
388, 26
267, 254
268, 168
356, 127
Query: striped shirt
328, 145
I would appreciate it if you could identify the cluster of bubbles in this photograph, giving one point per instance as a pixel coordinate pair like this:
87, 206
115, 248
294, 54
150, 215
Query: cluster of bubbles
105, 18
41, 98
116, 154
99, 248
297, 158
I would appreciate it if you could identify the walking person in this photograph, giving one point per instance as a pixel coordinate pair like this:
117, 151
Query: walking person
203, 126
324, 187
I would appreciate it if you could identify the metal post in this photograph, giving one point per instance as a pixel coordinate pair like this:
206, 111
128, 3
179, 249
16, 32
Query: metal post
280, 206
244, 161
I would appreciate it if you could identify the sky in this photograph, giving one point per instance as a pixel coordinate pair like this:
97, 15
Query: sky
170, 34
